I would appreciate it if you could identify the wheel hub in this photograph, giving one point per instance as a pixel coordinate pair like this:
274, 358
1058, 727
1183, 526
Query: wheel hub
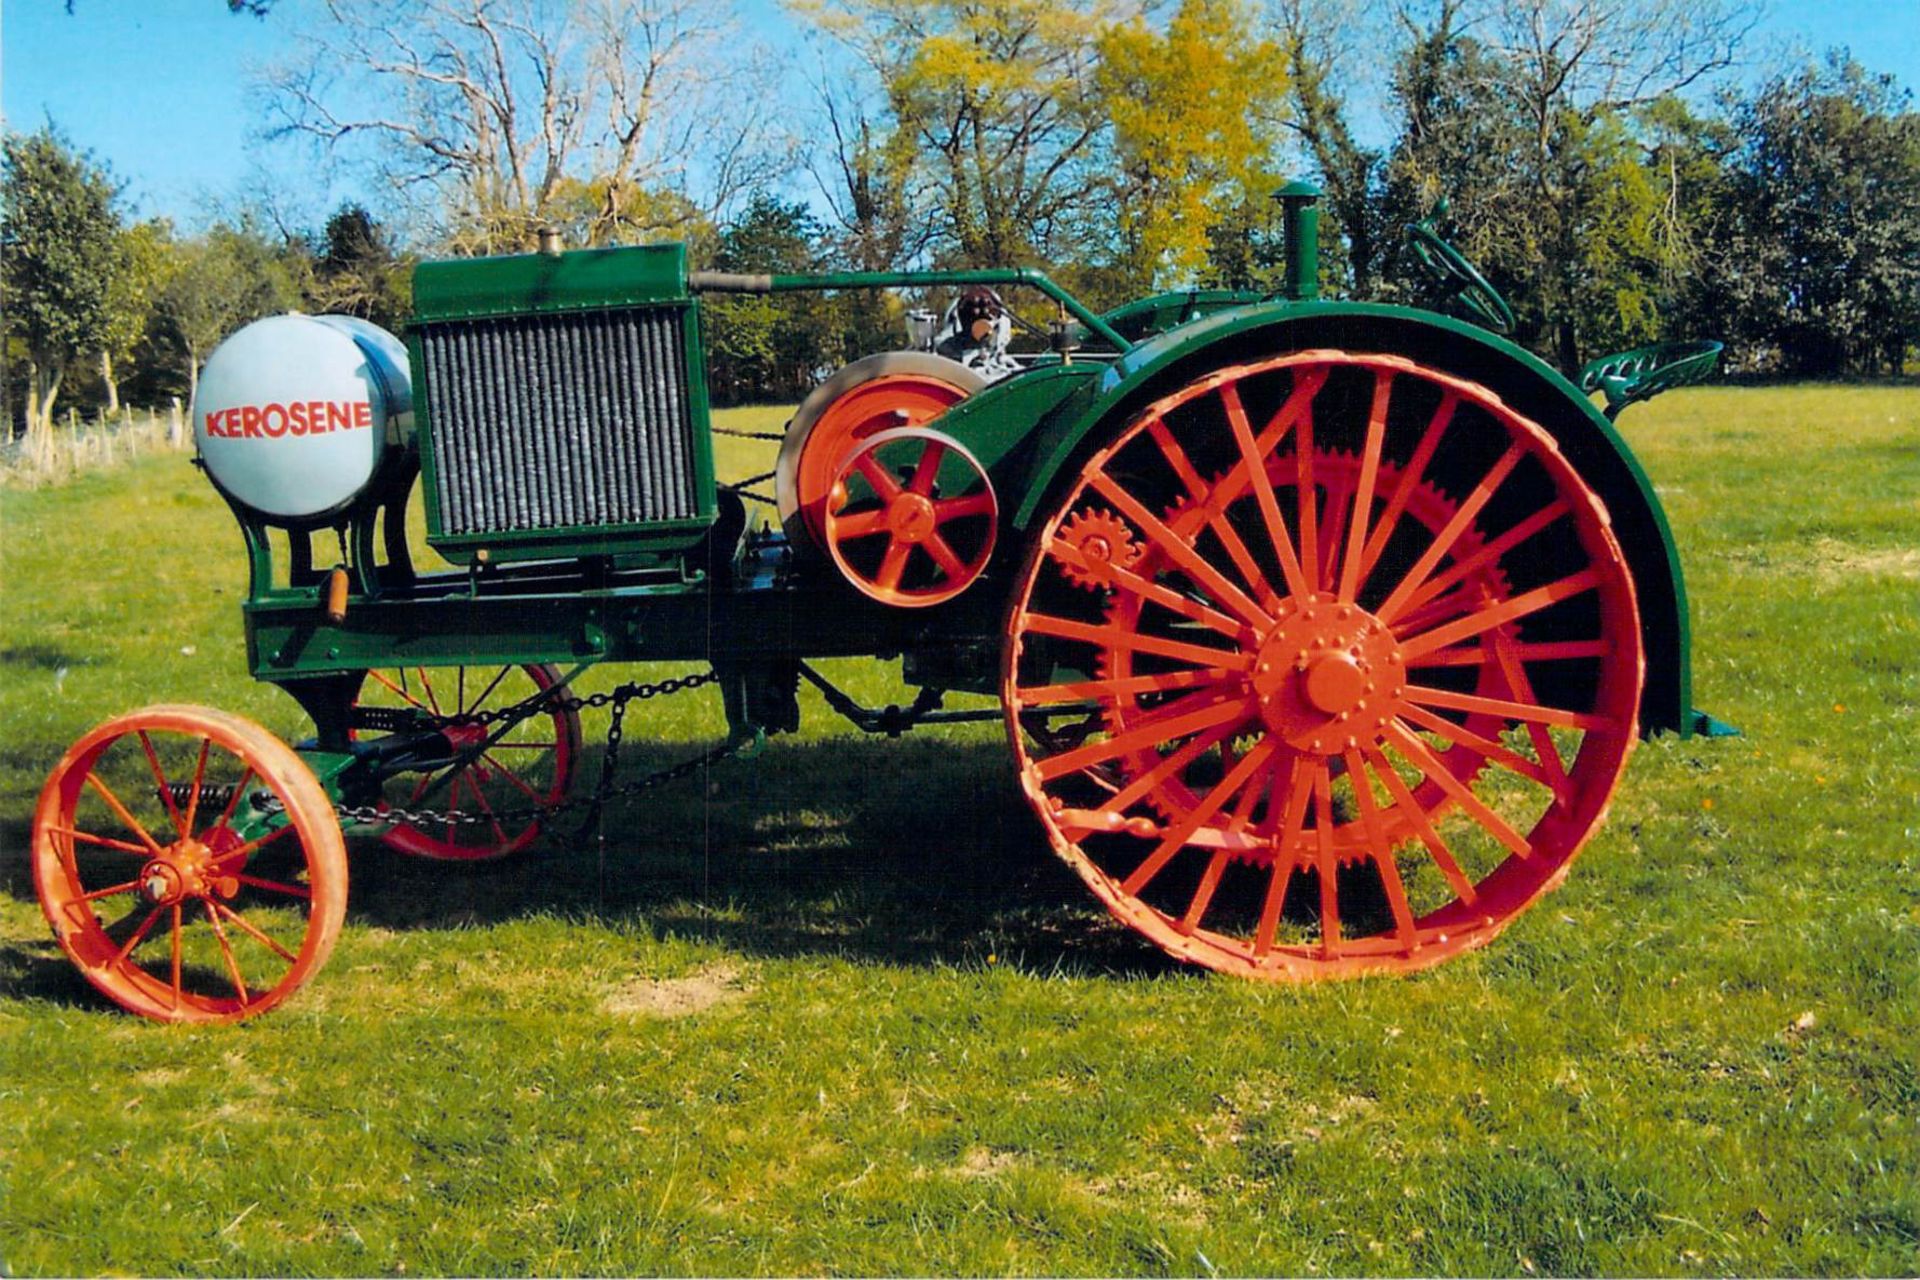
910, 517
1328, 676
185, 869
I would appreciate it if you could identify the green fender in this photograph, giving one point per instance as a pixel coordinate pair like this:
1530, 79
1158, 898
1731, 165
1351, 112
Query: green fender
1047, 459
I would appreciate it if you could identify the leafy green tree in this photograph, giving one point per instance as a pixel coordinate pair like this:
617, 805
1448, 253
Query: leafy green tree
147, 261
59, 250
1821, 260
227, 277
759, 346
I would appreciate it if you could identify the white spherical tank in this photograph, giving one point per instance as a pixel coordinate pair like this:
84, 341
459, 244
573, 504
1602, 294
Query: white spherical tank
294, 413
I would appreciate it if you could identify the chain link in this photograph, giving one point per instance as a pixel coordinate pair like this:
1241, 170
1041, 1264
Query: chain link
617, 698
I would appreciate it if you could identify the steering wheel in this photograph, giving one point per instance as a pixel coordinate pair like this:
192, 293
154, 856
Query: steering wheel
1460, 279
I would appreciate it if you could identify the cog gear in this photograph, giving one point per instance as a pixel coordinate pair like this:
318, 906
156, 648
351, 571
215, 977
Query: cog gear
1102, 539
1336, 474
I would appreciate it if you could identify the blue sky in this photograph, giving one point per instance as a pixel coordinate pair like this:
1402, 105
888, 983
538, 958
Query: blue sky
159, 88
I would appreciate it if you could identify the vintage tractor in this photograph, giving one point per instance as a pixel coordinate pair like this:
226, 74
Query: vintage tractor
1321, 630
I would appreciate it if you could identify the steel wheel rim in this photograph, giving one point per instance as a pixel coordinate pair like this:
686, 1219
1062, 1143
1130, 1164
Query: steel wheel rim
1406, 616
532, 767
203, 931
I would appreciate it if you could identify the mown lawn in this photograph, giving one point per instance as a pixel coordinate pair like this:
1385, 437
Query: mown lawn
842, 1013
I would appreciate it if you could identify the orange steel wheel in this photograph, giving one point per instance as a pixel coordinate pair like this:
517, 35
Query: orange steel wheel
879, 393
530, 766
1367, 690
152, 892
912, 517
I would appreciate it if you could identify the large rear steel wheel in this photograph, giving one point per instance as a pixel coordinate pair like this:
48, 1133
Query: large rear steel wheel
1367, 657
190, 864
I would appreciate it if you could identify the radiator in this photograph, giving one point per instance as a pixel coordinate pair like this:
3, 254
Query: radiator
559, 422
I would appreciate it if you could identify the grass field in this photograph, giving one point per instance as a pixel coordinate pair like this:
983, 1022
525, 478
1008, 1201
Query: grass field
843, 1013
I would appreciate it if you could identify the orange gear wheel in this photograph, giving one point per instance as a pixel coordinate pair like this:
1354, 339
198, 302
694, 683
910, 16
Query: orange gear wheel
1092, 544
1367, 692
912, 517
879, 393
151, 888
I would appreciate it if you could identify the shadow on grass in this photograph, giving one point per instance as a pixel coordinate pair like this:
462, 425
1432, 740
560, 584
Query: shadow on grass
915, 852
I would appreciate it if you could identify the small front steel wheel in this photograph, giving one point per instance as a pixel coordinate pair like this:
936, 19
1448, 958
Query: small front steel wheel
190, 864
529, 766
1367, 657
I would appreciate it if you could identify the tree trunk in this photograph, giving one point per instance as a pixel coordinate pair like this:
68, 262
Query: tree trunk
113, 384
193, 373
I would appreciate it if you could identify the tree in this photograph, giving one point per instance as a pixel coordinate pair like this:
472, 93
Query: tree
1193, 133
510, 111
147, 259
1821, 256
357, 271
59, 250
760, 347
227, 277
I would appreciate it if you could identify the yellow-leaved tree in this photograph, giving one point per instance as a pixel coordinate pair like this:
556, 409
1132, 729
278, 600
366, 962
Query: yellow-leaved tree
1195, 108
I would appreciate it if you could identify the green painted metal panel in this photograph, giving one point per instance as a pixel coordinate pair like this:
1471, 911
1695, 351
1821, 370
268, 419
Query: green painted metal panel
542, 284
1582, 431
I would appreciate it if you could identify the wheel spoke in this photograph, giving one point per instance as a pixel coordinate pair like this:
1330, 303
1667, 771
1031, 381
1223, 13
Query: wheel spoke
1444, 540
134, 939
1101, 819
233, 801
1534, 651
1325, 861
1255, 463
1380, 847
1300, 788
1140, 737
1489, 553
1494, 613
969, 504
893, 563
399, 690
122, 846
861, 524
1203, 896
275, 886
1307, 501
480, 798
1176, 837
1339, 510
1350, 580
927, 469
1112, 636
943, 555
1441, 776
1167, 598
1177, 459
1448, 700
226, 953
1508, 759
1509, 653
253, 931
174, 957
1409, 481
486, 692
426, 687
1180, 550
120, 810
245, 850
513, 779
1422, 823
1115, 689
109, 891
160, 780
199, 780
884, 485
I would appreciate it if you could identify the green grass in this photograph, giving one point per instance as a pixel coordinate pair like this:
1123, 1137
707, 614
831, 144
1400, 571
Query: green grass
907, 1042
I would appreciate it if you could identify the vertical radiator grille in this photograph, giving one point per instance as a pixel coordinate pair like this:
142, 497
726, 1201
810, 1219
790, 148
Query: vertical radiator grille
555, 422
